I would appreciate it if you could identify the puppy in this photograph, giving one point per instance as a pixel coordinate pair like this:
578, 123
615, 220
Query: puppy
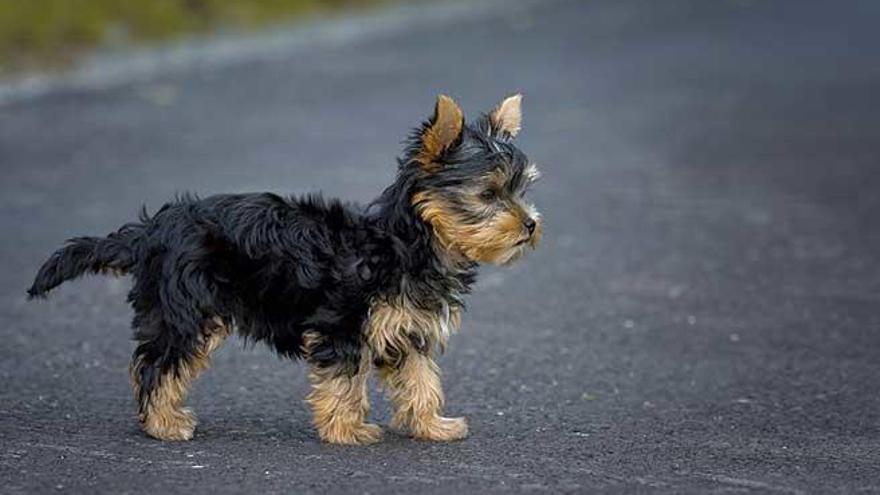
346, 288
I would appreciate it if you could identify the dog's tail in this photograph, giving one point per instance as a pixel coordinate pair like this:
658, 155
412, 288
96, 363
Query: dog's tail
112, 254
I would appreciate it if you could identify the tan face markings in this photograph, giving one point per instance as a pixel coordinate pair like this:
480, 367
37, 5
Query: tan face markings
493, 238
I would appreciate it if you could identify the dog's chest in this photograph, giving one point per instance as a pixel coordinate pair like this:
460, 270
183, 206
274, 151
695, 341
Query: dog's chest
395, 327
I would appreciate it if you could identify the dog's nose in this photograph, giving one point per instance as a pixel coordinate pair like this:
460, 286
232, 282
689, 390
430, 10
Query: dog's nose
530, 225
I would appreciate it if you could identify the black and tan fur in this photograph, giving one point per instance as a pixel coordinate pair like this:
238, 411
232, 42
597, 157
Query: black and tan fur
348, 289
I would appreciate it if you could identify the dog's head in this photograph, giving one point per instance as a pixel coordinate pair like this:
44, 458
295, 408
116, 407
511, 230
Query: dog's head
470, 180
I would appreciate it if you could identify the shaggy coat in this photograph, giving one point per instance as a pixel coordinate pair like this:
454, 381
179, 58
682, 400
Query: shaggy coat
344, 286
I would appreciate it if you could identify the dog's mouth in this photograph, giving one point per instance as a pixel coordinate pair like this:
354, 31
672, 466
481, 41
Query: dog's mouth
525, 240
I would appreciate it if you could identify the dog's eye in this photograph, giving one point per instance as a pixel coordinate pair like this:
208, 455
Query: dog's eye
488, 194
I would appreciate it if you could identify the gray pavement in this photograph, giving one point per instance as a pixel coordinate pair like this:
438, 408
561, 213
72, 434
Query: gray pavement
703, 316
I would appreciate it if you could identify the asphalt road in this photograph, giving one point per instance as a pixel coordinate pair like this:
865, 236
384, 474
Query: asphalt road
702, 317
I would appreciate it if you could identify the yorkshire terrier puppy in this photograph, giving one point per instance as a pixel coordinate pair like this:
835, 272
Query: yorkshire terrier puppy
346, 288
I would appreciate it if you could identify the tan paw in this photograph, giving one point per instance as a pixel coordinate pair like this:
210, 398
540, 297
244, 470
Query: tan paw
171, 425
362, 434
441, 429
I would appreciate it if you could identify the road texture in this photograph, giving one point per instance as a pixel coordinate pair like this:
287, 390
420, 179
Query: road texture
703, 316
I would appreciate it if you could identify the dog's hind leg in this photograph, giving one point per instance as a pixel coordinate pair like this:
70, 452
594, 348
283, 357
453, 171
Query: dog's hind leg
177, 327
162, 370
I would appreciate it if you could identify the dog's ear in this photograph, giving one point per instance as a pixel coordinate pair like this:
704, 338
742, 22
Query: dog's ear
442, 132
507, 116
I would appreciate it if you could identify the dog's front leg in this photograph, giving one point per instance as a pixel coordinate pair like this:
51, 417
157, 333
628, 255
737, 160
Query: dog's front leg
414, 386
339, 400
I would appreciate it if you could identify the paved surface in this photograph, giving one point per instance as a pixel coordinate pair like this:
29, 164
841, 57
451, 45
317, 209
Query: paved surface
703, 316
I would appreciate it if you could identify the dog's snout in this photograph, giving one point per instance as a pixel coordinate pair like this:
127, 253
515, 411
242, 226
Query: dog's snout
530, 224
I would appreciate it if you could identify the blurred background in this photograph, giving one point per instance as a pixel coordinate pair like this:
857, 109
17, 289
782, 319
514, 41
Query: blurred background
702, 316
56, 33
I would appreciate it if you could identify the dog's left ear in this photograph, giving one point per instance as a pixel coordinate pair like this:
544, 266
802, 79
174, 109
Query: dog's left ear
507, 116
442, 132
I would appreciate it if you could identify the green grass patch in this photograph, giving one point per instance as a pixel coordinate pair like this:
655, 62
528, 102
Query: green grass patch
52, 33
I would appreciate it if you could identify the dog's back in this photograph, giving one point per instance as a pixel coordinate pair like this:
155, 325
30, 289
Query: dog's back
268, 263
255, 226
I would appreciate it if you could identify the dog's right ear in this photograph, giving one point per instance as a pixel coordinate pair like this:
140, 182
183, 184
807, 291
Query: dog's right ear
506, 119
442, 132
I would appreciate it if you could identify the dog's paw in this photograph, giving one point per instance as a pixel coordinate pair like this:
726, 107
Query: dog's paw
362, 434
170, 426
441, 429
